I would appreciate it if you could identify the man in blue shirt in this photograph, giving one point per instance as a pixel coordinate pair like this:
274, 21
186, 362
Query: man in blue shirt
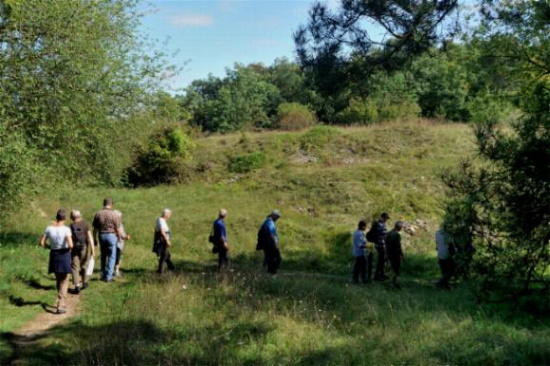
220, 240
269, 242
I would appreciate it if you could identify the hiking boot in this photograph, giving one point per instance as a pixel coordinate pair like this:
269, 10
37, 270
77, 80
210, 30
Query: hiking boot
85, 286
61, 311
75, 291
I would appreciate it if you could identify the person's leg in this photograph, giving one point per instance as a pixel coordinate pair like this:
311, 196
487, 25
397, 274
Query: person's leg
396, 269
162, 259
277, 261
117, 261
363, 269
111, 253
369, 266
103, 247
83, 256
356, 270
62, 285
379, 274
169, 262
223, 261
75, 266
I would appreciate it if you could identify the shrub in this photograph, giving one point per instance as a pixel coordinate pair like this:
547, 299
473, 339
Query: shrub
246, 163
318, 137
163, 159
294, 116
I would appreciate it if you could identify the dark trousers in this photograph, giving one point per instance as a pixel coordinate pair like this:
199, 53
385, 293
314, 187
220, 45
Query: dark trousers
369, 266
380, 262
273, 260
447, 267
165, 257
223, 260
360, 269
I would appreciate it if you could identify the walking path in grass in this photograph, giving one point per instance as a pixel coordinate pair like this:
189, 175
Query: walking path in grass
30, 333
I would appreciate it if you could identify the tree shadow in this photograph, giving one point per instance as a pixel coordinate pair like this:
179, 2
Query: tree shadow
16, 239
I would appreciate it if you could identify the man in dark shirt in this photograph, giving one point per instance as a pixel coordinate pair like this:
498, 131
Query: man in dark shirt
107, 232
380, 245
220, 240
394, 251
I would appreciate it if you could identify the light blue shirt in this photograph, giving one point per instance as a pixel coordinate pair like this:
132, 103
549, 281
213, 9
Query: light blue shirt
359, 242
270, 225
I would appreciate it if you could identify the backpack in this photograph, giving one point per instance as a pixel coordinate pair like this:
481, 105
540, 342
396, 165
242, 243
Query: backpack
260, 244
372, 234
79, 236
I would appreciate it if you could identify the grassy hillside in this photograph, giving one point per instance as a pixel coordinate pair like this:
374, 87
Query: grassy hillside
323, 181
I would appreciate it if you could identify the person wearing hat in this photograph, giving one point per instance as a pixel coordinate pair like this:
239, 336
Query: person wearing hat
220, 240
269, 242
394, 251
380, 246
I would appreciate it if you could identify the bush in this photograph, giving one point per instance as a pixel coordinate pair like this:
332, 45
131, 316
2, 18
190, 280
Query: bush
294, 116
246, 163
318, 136
163, 161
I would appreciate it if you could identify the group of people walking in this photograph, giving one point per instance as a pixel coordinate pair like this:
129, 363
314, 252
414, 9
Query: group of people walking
72, 248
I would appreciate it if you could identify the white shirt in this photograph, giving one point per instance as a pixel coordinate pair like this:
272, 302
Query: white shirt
441, 238
161, 224
57, 236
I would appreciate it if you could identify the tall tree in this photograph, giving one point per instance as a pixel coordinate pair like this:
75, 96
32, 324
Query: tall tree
502, 199
325, 44
74, 75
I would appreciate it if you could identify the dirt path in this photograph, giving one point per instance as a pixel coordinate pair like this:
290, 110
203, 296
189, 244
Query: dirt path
29, 334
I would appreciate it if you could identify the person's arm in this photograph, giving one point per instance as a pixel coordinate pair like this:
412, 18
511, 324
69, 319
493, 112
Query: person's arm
165, 237
91, 242
69, 239
43, 241
95, 236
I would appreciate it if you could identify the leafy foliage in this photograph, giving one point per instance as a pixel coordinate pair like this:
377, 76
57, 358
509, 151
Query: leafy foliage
294, 116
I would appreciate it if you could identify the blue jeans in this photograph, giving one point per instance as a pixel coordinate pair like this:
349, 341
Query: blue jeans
108, 255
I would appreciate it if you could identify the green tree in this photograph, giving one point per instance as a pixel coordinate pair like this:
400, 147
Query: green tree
502, 199
76, 83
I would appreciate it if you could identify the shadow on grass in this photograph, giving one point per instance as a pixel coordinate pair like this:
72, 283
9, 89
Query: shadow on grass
19, 301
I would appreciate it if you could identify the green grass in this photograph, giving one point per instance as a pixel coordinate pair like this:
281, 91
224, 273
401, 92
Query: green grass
309, 314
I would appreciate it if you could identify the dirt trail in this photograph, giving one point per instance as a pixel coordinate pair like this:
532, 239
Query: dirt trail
30, 334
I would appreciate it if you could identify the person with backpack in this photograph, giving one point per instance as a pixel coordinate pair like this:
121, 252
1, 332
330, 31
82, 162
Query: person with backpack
359, 252
219, 240
83, 250
394, 251
268, 241
377, 235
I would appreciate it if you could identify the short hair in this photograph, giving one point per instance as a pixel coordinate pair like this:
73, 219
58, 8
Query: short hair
60, 215
385, 215
399, 225
362, 223
223, 212
275, 213
165, 212
75, 214
107, 201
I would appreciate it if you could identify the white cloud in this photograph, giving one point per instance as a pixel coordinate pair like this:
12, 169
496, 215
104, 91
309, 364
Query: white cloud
191, 20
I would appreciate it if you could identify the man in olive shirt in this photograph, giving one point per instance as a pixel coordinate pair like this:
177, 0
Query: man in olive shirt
107, 232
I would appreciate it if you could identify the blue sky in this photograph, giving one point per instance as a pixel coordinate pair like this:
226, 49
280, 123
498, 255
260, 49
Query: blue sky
214, 34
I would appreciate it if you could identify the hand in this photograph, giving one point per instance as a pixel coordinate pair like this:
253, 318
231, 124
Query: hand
128, 237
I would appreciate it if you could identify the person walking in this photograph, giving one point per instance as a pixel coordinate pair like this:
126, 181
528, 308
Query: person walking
269, 242
220, 240
83, 250
59, 240
380, 246
394, 251
107, 232
162, 242
445, 253
359, 252
120, 245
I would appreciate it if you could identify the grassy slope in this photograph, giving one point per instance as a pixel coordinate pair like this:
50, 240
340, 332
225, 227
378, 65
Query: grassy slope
196, 317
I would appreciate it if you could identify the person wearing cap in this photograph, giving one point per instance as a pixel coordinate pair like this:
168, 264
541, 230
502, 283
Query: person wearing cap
380, 246
269, 242
107, 232
394, 252
220, 239
83, 246
162, 242
58, 238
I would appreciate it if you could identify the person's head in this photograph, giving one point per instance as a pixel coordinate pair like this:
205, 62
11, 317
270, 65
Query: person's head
108, 202
166, 213
362, 225
398, 225
76, 215
275, 215
60, 215
223, 213
384, 216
